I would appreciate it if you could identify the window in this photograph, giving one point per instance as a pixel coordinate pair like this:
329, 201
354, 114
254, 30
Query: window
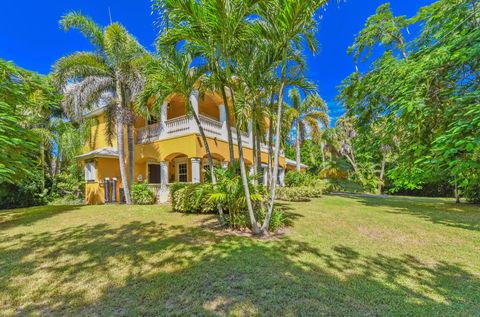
182, 172
90, 172
154, 173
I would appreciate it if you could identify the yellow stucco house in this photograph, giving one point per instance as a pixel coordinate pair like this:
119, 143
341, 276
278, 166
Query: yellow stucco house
166, 151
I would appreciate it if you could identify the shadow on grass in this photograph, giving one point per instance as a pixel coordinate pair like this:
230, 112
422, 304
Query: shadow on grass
464, 216
150, 269
27, 216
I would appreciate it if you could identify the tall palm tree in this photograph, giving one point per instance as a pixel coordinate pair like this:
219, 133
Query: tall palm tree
216, 29
285, 23
306, 114
110, 72
172, 73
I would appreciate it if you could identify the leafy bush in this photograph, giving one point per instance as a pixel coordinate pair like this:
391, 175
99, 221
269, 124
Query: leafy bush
193, 198
296, 179
174, 187
342, 185
302, 193
142, 195
229, 192
68, 185
27, 193
472, 193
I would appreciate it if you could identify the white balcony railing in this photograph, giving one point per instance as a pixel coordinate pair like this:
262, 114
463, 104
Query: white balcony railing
148, 134
178, 125
185, 125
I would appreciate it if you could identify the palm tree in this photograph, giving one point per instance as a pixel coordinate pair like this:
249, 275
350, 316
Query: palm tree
172, 73
110, 72
307, 113
215, 29
285, 23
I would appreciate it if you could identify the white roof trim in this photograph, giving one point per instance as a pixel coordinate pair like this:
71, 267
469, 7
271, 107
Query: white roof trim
106, 152
292, 162
95, 112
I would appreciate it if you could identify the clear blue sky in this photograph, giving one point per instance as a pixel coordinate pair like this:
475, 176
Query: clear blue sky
30, 35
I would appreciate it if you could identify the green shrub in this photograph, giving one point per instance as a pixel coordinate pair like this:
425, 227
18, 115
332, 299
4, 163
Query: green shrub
27, 193
342, 185
302, 193
192, 198
472, 193
296, 179
173, 188
142, 195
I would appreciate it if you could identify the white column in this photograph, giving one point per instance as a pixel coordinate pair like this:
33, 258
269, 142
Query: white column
225, 164
264, 170
223, 113
282, 177
195, 170
251, 170
164, 174
163, 117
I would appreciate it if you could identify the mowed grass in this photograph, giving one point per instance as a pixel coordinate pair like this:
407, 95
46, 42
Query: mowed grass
344, 255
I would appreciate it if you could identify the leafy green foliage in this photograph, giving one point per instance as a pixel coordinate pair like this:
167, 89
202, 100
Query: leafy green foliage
302, 193
418, 115
193, 198
294, 179
25, 193
26, 101
143, 195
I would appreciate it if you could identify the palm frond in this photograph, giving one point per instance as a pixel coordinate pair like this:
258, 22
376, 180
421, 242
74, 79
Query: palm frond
86, 25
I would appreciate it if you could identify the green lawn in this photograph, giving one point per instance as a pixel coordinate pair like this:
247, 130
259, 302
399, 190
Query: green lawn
343, 256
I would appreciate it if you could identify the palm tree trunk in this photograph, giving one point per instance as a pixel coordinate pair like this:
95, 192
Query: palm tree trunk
322, 145
243, 172
270, 143
121, 142
209, 154
273, 179
229, 128
254, 150
121, 155
130, 144
297, 146
259, 153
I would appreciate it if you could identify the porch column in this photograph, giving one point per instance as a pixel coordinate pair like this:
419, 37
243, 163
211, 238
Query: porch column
282, 177
251, 170
163, 174
195, 169
223, 113
225, 164
163, 117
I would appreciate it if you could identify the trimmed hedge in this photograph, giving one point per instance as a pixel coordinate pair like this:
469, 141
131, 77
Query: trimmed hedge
302, 193
142, 195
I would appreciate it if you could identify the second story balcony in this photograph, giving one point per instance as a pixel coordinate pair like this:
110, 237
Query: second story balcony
175, 122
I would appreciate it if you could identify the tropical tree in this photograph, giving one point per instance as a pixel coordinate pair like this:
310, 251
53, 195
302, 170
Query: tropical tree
426, 91
285, 23
215, 29
173, 74
112, 74
305, 115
